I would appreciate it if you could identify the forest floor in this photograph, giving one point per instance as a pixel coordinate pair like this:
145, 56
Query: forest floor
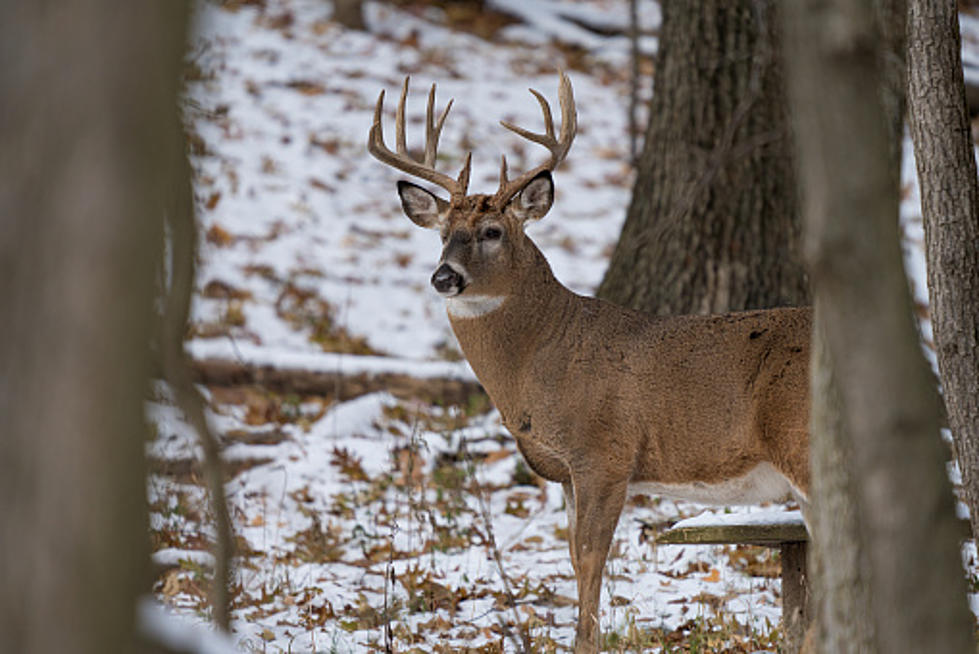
397, 515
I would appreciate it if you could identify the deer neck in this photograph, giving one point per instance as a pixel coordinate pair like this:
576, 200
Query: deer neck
501, 335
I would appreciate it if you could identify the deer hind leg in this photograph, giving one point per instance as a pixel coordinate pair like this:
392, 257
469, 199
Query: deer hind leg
597, 505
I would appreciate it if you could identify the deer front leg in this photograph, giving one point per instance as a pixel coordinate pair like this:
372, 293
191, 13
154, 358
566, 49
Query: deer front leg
597, 505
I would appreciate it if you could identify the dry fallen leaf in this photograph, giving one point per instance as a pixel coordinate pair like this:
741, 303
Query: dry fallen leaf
171, 584
497, 455
307, 87
219, 236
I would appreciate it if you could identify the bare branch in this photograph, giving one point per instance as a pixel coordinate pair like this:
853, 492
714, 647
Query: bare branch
183, 241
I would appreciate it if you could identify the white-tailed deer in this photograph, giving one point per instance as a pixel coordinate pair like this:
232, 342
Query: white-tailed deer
599, 398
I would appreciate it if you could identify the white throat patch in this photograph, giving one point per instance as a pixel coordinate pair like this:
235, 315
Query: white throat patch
473, 306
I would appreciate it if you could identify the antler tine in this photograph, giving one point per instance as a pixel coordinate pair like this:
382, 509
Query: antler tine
402, 160
433, 130
399, 120
569, 117
377, 113
558, 146
547, 137
546, 109
463, 179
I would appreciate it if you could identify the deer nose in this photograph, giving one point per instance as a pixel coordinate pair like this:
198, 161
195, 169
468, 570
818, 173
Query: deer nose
447, 281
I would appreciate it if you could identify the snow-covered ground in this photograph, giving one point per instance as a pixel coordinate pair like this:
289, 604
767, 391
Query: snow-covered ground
377, 519
281, 114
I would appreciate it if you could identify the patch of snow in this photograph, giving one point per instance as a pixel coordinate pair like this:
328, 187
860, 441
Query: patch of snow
178, 633
328, 362
171, 556
749, 518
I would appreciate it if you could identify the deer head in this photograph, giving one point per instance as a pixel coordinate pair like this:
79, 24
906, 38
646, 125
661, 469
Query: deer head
484, 245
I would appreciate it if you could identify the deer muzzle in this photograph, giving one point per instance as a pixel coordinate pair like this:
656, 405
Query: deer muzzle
448, 281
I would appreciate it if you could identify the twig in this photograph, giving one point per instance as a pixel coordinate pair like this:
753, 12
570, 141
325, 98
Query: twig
634, 82
524, 644
389, 578
183, 246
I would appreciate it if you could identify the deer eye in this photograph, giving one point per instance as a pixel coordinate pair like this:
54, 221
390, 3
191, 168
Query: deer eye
492, 233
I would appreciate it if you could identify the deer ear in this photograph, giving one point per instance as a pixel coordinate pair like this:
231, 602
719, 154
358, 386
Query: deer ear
535, 199
424, 209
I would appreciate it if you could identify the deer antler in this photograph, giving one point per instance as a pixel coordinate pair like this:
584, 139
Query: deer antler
558, 146
402, 161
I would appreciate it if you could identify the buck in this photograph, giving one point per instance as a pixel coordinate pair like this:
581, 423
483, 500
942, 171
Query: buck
604, 400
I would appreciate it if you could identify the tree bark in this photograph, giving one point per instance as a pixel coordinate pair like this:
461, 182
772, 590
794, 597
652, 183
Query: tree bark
713, 223
841, 606
890, 412
88, 113
350, 14
946, 165
842, 610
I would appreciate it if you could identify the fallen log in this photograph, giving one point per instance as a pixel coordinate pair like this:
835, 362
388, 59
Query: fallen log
334, 376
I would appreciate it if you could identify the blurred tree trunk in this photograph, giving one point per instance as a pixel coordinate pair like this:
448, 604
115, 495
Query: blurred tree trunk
950, 207
88, 120
350, 14
713, 223
903, 499
841, 604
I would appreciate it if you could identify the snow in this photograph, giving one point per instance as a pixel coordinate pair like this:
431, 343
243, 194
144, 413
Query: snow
306, 205
172, 557
275, 501
178, 634
747, 519
327, 362
544, 20
337, 497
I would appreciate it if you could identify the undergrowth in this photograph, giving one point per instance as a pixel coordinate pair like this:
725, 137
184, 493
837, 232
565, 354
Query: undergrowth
395, 539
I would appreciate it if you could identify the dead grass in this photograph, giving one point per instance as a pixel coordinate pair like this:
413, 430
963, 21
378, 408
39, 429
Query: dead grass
437, 498
304, 309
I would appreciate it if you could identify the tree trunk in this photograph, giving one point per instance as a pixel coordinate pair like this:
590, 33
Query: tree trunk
950, 206
841, 606
88, 115
713, 223
350, 14
903, 499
